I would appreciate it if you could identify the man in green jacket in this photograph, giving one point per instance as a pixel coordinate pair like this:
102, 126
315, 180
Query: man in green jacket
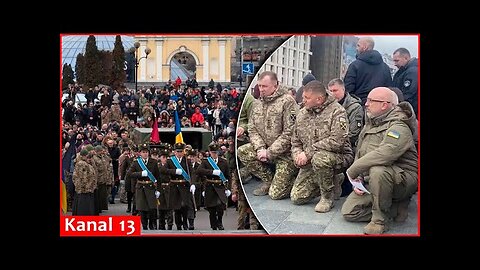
386, 163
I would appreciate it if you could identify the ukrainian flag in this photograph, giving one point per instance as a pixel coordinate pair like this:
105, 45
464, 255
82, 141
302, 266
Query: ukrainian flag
178, 129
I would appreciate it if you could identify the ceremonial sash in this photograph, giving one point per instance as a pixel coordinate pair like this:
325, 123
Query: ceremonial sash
177, 164
144, 167
215, 167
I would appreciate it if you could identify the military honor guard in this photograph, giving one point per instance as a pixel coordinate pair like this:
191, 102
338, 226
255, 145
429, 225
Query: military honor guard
145, 170
216, 172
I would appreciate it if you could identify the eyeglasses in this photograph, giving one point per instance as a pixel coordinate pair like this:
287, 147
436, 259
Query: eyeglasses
376, 100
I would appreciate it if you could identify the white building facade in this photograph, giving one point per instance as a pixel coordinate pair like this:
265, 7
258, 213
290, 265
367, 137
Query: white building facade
290, 61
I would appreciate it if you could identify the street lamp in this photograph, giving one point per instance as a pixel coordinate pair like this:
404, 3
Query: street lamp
134, 50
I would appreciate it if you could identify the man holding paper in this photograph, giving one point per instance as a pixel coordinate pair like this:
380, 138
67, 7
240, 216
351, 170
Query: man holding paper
384, 173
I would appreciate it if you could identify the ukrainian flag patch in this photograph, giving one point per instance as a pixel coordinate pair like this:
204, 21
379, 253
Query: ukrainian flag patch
393, 134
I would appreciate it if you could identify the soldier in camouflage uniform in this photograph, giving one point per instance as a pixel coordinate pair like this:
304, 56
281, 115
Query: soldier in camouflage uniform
102, 177
148, 113
85, 181
355, 114
270, 129
386, 160
320, 146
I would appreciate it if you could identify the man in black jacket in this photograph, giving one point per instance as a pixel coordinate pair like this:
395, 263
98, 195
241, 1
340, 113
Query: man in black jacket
367, 71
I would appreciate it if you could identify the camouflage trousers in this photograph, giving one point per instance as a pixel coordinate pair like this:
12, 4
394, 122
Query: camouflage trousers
280, 180
316, 178
122, 192
388, 187
244, 212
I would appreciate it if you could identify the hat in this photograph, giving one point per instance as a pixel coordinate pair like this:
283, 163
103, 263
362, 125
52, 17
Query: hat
192, 152
213, 147
188, 147
89, 147
98, 148
84, 152
155, 151
144, 146
179, 146
164, 152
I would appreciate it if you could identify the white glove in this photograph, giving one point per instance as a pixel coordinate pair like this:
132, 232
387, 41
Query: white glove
192, 189
227, 192
216, 172
157, 194
144, 173
178, 172
203, 193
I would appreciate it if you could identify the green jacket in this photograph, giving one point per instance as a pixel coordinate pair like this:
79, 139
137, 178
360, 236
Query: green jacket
387, 140
245, 113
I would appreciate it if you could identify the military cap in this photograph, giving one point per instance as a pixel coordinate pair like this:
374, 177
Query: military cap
98, 148
144, 146
89, 147
179, 146
213, 147
84, 152
164, 152
155, 151
192, 152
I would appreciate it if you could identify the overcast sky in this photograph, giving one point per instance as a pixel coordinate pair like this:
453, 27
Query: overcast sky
388, 44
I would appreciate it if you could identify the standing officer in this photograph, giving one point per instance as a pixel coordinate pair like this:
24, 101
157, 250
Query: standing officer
320, 146
165, 212
406, 78
216, 171
387, 160
181, 190
270, 126
196, 179
146, 171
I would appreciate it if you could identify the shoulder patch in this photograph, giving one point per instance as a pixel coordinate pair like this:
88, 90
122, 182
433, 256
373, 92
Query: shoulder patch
394, 134
407, 83
343, 122
293, 115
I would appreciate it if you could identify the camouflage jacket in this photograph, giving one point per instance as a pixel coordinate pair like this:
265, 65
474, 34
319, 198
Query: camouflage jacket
321, 128
84, 177
271, 121
245, 113
101, 169
355, 113
387, 140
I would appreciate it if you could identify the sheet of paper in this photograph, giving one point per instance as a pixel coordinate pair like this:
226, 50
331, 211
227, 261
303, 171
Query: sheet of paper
359, 185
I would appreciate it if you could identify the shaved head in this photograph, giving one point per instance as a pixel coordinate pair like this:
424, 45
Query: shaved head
365, 44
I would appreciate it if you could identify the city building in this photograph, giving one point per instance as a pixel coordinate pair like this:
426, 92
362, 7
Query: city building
290, 61
202, 57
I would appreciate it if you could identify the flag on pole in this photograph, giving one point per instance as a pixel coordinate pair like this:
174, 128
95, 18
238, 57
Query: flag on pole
155, 136
178, 129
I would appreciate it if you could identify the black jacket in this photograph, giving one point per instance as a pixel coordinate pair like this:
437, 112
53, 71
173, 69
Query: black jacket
365, 73
406, 79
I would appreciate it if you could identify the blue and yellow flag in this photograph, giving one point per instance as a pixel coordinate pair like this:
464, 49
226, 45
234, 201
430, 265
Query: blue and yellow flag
178, 129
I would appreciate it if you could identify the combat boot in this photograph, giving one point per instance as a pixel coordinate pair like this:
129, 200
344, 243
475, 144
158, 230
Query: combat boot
374, 228
262, 189
326, 202
402, 210
337, 181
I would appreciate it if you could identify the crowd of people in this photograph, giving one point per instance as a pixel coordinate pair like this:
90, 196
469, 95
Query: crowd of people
106, 123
